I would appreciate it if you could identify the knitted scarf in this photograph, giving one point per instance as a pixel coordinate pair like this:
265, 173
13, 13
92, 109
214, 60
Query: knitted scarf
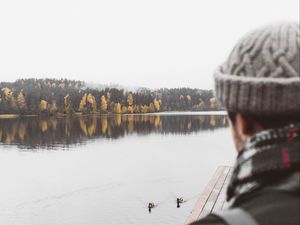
265, 155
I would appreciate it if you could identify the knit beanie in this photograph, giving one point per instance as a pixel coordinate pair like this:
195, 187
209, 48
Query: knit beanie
261, 75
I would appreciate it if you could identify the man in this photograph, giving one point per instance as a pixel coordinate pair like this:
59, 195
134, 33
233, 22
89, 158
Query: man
259, 85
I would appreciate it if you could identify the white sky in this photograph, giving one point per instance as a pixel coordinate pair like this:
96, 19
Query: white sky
163, 43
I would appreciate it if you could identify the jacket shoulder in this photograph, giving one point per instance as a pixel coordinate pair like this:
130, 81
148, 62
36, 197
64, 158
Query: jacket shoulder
266, 207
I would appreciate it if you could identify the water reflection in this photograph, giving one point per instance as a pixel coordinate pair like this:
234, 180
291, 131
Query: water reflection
53, 132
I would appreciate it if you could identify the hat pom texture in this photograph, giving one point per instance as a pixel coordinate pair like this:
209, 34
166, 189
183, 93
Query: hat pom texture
261, 75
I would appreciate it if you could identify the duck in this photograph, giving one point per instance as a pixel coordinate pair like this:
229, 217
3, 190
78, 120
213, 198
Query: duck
151, 205
179, 200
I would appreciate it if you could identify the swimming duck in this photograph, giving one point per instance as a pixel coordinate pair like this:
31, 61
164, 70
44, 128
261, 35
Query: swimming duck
179, 201
151, 205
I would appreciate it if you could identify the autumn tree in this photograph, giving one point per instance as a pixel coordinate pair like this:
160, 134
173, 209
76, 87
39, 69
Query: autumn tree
21, 101
68, 109
151, 108
103, 104
130, 103
156, 105
136, 109
82, 103
117, 108
124, 109
44, 107
144, 109
8, 102
108, 99
92, 104
7, 92
130, 100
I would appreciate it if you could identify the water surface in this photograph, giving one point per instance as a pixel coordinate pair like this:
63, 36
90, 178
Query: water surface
105, 170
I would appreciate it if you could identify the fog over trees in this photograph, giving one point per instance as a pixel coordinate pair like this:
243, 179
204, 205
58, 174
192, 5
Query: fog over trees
62, 96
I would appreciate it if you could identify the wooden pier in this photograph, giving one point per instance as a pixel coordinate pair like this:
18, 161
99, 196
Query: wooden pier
214, 195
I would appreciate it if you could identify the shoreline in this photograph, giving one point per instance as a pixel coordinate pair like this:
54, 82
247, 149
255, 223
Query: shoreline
14, 116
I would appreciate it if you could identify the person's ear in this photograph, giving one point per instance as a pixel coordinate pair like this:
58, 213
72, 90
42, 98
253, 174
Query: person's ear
244, 127
247, 126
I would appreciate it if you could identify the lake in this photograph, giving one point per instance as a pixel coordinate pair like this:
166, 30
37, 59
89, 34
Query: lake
89, 170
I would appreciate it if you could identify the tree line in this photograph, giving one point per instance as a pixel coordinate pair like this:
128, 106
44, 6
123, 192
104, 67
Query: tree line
62, 96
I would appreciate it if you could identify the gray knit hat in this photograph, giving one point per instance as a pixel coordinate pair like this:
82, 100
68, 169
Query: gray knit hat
261, 75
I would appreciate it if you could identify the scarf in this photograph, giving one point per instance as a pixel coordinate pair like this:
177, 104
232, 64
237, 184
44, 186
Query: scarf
265, 155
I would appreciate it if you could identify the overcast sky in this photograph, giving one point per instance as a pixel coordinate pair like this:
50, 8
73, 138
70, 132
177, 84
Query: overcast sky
164, 43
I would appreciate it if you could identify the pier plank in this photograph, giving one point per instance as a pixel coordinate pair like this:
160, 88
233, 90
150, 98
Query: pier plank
222, 196
214, 195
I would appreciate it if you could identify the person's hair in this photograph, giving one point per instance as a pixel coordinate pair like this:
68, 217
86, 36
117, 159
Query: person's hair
267, 121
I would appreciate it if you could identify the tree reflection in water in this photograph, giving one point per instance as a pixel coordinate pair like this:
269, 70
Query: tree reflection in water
32, 133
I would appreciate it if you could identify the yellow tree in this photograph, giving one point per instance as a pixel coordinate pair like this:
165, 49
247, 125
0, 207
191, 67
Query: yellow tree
156, 105
21, 100
43, 106
151, 108
108, 99
136, 109
144, 109
103, 104
82, 103
67, 105
130, 100
130, 109
117, 108
124, 109
8, 96
7, 92
92, 101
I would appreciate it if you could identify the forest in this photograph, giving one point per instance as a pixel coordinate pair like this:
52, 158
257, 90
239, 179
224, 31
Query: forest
62, 96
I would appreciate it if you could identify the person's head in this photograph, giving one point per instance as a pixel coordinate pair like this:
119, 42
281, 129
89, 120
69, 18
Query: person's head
259, 84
